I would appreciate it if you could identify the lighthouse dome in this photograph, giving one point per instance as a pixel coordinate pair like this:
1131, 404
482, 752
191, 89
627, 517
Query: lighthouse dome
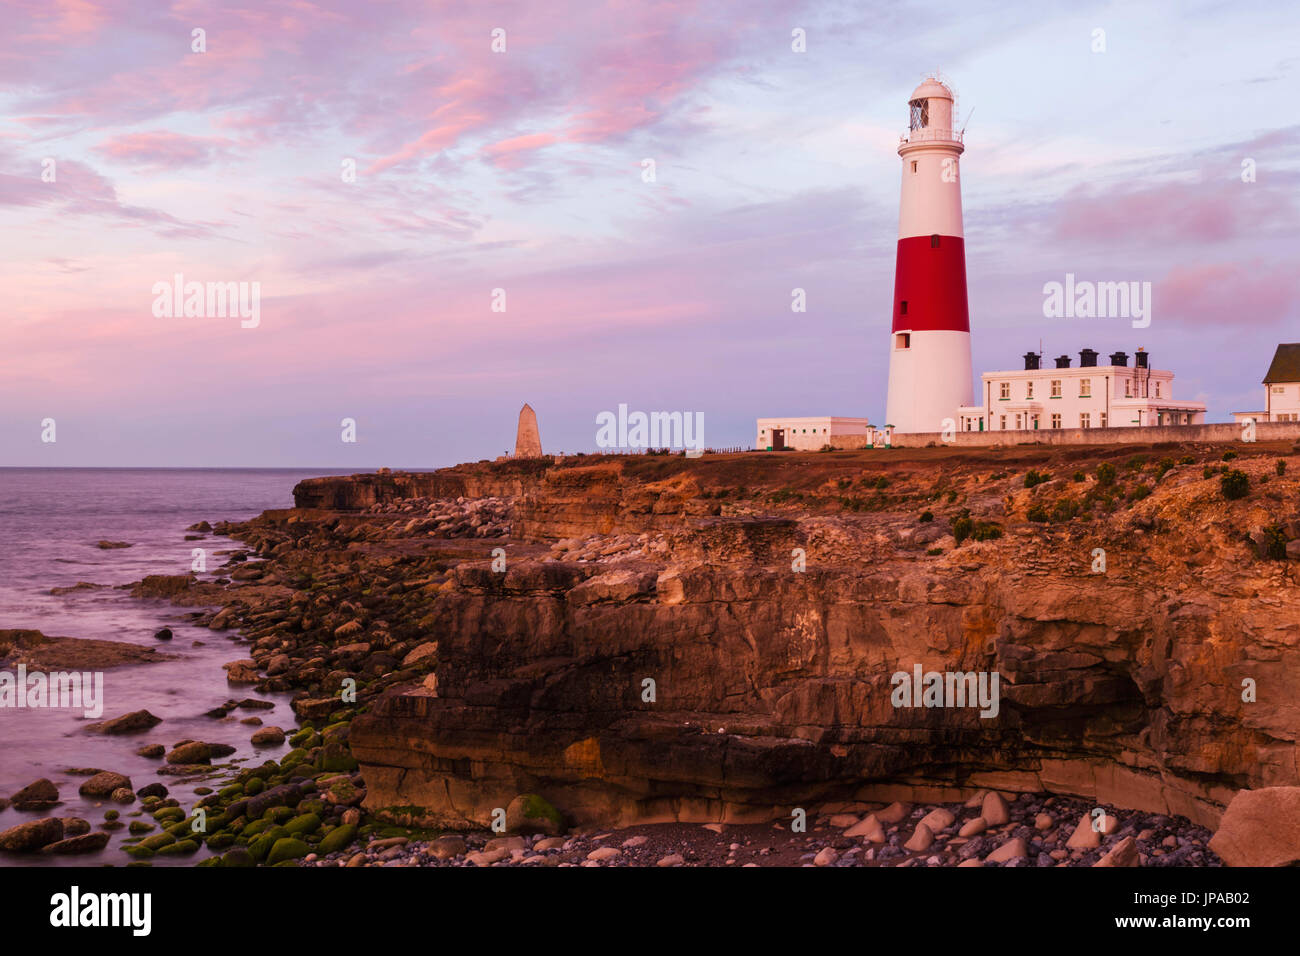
931, 88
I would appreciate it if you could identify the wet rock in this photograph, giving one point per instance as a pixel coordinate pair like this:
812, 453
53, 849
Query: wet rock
85, 843
104, 783
30, 837
39, 795
163, 634
130, 723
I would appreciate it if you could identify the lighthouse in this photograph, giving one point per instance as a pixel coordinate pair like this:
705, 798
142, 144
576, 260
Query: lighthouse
929, 346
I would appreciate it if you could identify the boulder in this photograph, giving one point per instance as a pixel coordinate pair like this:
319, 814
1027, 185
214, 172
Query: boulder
40, 795
922, 839
126, 724
32, 836
104, 783
994, 810
85, 843
268, 737
1008, 851
1123, 853
1260, 828
529, 813
190, 752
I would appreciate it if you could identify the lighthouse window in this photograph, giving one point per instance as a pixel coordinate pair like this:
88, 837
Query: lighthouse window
913, 165
902, 307
920, 113
934, 242
903, 340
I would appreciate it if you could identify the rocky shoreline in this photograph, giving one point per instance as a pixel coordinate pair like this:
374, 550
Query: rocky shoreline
466, 653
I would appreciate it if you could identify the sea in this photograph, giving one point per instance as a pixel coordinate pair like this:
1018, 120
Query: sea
51, 521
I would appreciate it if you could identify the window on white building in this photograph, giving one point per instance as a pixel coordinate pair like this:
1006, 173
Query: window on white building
1056, 420
903, 340
1056, 388
1004, 391
1085, 420
1157, 389
1029, 389
1085, 388
1003, 425
1128, 388
1103, 419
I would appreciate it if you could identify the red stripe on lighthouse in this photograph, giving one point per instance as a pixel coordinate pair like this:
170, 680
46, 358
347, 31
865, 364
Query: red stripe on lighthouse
931, 279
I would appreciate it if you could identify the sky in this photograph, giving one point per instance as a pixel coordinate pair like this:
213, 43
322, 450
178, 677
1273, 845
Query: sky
128, 156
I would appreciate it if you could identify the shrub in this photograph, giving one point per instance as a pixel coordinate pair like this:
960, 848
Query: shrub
1207, 472
1139, 492
933, 551
986, 531
1136, 462
1080, 476
962, 528
927, 515
1033, 478
1275, 546
1166, 464
1064, 510
1229, 455
1037, 513
1235, 484
1281, 467
1187, 460
952, 497
1105, 474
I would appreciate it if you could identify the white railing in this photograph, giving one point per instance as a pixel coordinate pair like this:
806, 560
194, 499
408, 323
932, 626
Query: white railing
929, 135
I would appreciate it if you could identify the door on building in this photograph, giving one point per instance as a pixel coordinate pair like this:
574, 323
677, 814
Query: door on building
778, 439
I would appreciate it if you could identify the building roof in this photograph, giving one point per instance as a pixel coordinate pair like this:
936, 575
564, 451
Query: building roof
1286, 364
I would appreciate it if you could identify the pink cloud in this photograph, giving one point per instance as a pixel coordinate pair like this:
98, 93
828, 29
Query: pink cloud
163, 150
1228, 294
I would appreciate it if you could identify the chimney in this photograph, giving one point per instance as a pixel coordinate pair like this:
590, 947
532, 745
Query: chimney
1031, 361
1088, 358
1063, 361
1119, 358
1140, 359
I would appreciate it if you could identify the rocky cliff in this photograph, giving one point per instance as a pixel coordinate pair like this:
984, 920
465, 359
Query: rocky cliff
770, 618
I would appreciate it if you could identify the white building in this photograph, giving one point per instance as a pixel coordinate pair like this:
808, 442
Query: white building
1086, 396
1281, 388
806, 434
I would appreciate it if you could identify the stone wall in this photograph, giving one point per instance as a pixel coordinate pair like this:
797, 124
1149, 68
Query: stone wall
1221, 432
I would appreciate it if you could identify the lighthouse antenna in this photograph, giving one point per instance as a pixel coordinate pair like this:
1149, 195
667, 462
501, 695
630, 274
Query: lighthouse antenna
967, 123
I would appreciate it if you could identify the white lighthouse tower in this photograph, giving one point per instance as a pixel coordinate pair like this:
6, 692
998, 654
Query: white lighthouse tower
929, 348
